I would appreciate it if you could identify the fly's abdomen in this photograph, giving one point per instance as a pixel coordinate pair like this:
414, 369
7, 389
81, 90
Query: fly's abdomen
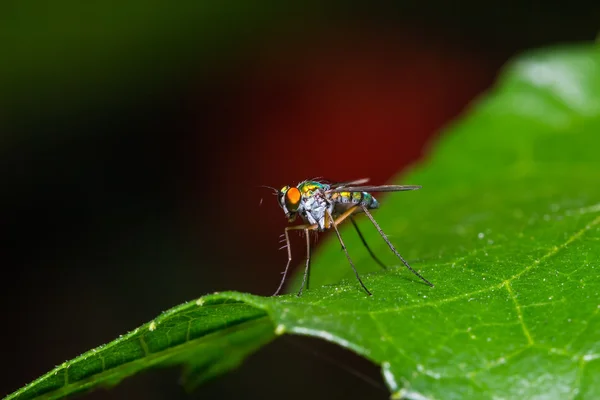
349, 199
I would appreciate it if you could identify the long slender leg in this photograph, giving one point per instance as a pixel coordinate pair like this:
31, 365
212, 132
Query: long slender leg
306, 278
382, 265
383, 235
289, 251
334, 224
307, 258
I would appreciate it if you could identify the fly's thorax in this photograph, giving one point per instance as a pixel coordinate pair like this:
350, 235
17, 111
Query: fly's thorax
315, 208
310, 188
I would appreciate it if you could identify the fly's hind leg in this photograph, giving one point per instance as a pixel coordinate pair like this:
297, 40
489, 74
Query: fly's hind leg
391, 246
362, 238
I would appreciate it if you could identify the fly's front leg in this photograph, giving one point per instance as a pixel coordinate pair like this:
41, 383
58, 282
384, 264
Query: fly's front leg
306, 279
306, 228
289, 251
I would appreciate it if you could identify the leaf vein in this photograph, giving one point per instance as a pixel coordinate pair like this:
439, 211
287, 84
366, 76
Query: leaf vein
513, 297
558, 248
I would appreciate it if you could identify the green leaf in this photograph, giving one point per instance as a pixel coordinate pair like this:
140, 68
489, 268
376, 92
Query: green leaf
210, 339
507, 226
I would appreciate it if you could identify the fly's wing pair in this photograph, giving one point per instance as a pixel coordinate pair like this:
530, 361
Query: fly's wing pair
357, 186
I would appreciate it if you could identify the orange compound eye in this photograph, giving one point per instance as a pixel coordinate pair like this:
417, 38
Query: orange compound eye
292, 199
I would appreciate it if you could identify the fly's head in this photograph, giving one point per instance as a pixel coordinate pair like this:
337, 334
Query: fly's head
290, 200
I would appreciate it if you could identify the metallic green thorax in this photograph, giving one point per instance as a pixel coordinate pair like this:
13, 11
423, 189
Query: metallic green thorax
308, 188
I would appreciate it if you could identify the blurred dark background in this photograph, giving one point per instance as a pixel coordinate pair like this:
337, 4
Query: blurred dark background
134, 135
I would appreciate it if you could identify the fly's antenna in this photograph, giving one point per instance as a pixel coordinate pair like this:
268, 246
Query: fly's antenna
275, 191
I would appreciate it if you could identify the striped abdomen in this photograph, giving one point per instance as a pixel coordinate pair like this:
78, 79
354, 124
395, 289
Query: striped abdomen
345, 200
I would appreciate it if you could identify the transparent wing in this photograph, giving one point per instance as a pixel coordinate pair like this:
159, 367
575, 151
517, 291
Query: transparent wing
345, 184
380, 188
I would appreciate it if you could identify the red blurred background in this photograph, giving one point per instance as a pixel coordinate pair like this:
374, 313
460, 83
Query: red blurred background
347, 104
134, 142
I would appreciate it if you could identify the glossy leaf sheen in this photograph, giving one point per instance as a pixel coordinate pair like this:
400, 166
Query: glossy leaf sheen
507, 226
